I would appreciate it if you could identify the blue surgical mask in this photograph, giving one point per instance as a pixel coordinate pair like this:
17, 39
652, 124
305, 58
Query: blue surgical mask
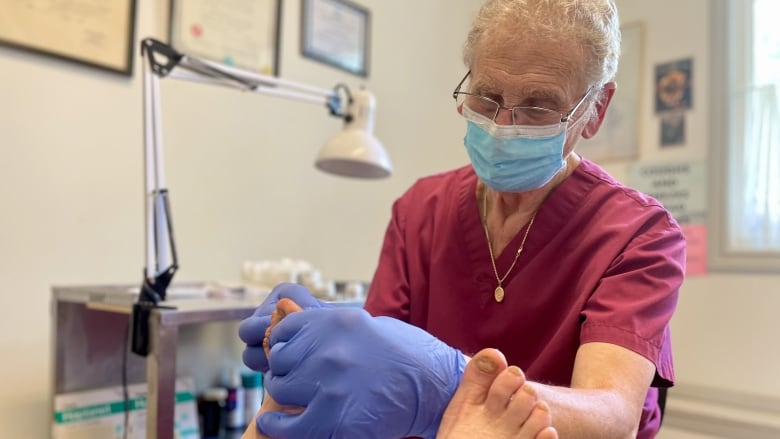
514, 158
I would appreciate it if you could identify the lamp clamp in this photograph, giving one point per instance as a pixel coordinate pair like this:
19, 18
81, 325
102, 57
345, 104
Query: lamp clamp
162, 57
151, 294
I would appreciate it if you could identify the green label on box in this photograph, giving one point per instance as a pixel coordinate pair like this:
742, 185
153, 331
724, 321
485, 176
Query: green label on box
78, 414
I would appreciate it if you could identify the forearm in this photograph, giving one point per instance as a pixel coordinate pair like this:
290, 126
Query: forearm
589, 413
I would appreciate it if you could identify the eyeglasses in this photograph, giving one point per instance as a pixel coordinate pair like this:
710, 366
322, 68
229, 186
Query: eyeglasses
521, 115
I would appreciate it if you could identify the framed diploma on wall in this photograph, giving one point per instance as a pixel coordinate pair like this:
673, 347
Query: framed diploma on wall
240, 33
337, 33
95, 33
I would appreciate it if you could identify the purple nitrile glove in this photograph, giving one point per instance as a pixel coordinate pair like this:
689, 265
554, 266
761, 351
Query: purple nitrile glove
252, 329
357, 377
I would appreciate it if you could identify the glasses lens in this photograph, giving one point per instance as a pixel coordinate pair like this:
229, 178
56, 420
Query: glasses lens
536, 116
532, 116
477, 104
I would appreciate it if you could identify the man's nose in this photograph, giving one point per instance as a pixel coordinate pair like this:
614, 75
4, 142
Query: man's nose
504, 116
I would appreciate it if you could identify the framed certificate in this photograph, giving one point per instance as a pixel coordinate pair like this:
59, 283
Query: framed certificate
337, 33
95, 33
240, 33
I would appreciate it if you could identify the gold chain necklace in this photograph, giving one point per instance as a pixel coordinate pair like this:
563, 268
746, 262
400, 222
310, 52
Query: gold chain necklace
498, 294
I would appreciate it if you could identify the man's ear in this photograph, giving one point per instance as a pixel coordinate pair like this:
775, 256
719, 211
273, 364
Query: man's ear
605, 97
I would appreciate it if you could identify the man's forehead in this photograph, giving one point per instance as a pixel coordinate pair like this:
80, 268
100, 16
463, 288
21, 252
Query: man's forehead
533, 68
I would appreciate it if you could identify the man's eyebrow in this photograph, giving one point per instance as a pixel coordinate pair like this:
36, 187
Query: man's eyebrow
535, 93
489, 88
483, 87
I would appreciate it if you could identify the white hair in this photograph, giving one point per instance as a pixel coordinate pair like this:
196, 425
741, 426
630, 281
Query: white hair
593, 24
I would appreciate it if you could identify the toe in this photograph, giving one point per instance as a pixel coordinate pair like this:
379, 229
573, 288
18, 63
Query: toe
522, 405
547, 433
286, 306
503, 389
538, 425
478, 376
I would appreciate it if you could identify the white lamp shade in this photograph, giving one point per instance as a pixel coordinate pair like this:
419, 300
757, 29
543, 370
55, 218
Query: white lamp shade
354, 153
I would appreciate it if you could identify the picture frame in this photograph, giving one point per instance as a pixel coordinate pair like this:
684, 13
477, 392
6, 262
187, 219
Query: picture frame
673, 90
336, 33
99, 35
238, 33
618, 137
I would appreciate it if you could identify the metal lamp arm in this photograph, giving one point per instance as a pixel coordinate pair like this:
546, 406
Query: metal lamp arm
165, 62
162, 61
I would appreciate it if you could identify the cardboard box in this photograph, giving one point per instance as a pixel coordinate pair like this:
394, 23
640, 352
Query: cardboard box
100, 413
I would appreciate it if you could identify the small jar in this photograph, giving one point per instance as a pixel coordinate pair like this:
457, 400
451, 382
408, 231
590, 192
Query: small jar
253, 394
211, 404
234, 405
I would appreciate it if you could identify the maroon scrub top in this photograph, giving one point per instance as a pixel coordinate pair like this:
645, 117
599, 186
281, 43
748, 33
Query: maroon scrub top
602, 263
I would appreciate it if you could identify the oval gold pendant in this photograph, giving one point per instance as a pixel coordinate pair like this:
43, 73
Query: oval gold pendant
499, 294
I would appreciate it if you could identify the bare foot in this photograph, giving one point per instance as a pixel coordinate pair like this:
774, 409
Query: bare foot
283, 308
494, 401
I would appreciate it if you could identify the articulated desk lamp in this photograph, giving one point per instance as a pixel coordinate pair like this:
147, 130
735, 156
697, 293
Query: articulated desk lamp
353, 152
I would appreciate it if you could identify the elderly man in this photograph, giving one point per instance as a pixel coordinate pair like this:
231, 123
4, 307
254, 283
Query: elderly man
532, 249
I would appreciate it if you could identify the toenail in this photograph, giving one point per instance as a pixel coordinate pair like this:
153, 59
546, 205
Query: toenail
486, 365
529, 389
516, 371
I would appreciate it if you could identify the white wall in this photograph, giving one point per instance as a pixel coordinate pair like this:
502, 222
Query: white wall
239, 170
726, 326
242, 184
